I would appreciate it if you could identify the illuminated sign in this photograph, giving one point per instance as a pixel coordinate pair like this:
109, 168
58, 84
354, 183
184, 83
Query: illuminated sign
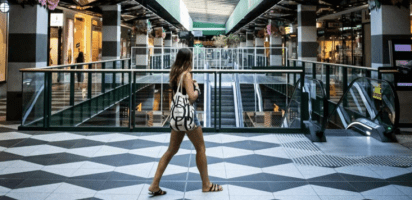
56, 19
288, 30
403, 47
377, 93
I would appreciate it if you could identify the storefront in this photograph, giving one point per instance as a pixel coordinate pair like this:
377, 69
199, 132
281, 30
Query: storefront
73, 32
342, 39
3, 46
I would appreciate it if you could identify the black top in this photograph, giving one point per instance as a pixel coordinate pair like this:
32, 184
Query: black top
183, 90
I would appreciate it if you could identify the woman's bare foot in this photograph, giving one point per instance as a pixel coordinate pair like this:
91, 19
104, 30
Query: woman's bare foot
212, 188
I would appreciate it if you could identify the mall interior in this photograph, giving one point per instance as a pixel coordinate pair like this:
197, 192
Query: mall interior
299, 99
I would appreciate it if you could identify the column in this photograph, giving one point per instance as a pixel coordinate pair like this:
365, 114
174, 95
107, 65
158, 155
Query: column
387, 22
307, 34
158, 48
260, 51
111, 32
250, 49
275, 51
141, 51
28, 33
167, 51
175, 44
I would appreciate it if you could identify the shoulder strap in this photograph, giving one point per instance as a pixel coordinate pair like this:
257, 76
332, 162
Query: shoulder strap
179, 87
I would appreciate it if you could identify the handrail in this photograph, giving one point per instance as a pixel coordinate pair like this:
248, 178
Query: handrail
284, 70
396, 121
79, 64
334, 64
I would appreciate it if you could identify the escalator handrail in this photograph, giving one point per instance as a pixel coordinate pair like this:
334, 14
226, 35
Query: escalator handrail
396, 99
325, 101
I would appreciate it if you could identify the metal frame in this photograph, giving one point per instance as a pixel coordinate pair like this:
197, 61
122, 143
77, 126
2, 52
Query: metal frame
129, 91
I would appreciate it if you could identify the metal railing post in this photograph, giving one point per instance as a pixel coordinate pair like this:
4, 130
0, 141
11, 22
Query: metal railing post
131, 101
215, 100
345, 79
114, 75
72, 88
327, 82
103, 79
123, 66
220, 100
314, 71
89, 84
302, 99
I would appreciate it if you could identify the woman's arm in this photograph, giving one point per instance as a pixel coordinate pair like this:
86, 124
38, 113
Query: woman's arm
188, 83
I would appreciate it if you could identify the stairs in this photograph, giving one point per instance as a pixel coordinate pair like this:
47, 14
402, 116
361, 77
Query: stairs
228, 108
248, 97
144, 104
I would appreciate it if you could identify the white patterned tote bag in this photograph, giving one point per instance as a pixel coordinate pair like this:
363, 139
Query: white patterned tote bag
182, 112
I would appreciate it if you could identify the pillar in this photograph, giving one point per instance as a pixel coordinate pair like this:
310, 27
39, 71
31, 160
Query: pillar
174, 43
158, 49
250, 49
141, 51
260, 59
387, 22
168, 49
111, 32
276, 49
28, 33
307, 34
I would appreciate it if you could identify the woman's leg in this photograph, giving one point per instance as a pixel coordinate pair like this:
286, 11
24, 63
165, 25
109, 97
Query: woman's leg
176, 139
196, 137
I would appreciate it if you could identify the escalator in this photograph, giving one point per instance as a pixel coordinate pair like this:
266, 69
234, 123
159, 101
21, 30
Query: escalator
228, 108
369, 107
308, 107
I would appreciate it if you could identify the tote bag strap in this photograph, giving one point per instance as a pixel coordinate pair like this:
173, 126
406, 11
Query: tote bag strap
179, 87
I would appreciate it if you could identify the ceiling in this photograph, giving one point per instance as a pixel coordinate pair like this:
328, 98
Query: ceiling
210, 11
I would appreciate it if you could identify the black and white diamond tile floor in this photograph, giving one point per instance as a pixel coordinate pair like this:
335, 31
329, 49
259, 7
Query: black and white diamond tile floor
62, 166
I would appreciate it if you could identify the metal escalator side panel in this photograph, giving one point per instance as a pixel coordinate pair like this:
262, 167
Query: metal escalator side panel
366, 101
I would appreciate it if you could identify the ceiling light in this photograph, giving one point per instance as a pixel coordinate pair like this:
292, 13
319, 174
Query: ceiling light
4, 7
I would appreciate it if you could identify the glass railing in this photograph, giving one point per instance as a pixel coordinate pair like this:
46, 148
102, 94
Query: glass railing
137, 99
210, 58
336, 77
311, 97
369, 106
61, 96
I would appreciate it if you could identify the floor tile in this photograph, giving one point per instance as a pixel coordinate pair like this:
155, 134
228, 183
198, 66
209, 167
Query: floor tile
270, 138
337, 197
108, 150
376, 189
13, 136
358, 171
278, 152
116, 196
306, 197
194, 191
170, 170
291, 189
388, 197
30, 186
65, 196
284, 170
72, 189
47, 149
58, 137
257, 197
227, 138
28, 195
312, 172
249, 189
140, 170
85, 151
229, 152
334, 188
404, 187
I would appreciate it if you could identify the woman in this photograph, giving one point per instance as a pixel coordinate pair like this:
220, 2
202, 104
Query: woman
80, 59
183, 66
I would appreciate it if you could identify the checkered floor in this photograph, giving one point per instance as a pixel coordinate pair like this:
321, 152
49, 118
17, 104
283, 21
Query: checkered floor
121, 165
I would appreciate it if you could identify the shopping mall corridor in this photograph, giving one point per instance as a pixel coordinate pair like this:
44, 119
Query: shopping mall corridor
89, 165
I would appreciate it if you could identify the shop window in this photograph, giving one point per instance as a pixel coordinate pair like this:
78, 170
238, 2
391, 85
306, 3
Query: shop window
3, 45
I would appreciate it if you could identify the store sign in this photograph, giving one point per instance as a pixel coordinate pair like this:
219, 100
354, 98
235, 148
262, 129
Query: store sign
377, 93
197, 33
366, 17
288, 30
56, 19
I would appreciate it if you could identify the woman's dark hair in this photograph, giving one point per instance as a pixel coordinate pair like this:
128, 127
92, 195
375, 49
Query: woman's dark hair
183, 63
80, 58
